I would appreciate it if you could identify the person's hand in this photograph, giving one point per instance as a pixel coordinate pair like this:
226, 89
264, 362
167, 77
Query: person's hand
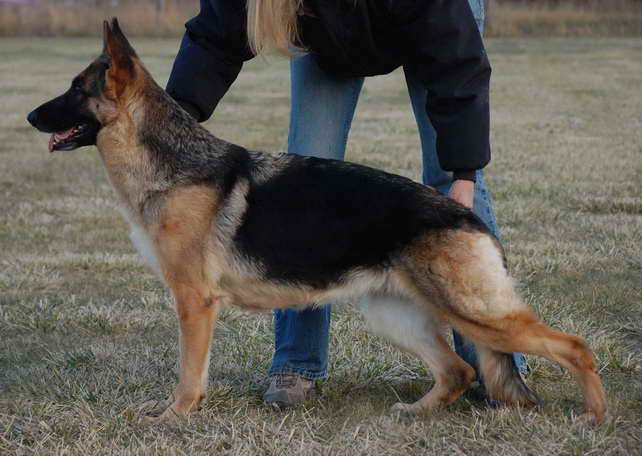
463, 191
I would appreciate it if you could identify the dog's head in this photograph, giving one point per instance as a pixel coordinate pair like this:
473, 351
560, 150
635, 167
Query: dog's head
95, 97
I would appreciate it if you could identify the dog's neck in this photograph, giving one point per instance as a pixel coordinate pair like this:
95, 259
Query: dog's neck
127, 165
154, 145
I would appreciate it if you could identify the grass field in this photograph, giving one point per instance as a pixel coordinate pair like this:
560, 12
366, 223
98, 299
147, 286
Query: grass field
87, 333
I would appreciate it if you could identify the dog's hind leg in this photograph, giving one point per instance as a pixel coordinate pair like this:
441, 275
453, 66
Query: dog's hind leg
412, 328
465, 269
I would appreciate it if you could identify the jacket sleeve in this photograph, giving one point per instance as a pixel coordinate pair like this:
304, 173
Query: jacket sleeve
447, 55
211, 55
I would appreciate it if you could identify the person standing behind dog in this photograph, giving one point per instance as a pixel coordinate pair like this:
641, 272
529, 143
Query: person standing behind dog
333, 45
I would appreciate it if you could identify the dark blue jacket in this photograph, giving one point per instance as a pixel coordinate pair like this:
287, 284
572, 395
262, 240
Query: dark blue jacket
436, 39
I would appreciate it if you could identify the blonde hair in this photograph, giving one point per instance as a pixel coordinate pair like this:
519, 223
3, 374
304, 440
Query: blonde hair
272, 25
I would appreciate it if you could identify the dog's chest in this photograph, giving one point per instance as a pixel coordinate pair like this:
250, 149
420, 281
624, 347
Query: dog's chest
143, 243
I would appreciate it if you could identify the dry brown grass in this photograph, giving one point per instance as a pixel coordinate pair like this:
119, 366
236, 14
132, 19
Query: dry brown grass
506, 18
568, 18
56, 19
87, 333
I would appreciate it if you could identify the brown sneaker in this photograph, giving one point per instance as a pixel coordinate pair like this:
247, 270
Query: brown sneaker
287, 390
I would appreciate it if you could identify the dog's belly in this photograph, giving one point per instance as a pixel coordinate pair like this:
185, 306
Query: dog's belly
260, 295
254, 292
405, 322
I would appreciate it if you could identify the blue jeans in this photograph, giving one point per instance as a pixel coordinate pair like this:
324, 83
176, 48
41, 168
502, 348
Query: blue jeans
322, 108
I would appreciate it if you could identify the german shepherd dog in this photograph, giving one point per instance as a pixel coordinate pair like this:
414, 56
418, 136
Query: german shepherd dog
224, 225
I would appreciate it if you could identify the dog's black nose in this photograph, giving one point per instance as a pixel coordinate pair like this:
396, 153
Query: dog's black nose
32, 117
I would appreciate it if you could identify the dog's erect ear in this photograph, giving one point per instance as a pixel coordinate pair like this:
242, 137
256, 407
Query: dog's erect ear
119, 54
116, 45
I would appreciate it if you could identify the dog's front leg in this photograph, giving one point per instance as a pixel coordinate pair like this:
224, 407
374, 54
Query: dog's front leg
197, 315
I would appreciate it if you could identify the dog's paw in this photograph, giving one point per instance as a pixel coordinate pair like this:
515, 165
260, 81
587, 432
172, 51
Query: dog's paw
400, 407
168, 415
591, 417
153, 407
167, 410
157, 411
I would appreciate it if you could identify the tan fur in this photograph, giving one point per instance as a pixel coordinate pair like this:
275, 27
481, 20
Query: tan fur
470, 265
127, 166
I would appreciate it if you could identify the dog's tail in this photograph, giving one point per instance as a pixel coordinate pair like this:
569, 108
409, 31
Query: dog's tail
502, 378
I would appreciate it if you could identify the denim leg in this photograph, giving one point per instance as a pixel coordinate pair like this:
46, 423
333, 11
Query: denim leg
436, 177
483, 207
301, 340
321, 113
322, 108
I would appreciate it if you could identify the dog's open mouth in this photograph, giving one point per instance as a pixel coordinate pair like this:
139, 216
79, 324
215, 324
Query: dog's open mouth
73, 138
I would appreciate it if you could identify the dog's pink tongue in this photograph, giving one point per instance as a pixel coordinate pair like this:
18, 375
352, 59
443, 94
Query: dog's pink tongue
59, 136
